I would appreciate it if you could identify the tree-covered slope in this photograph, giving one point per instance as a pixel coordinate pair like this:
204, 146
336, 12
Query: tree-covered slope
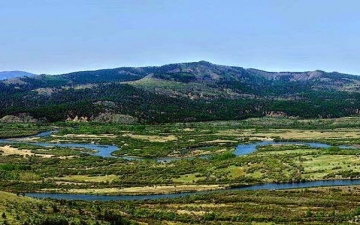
181, 92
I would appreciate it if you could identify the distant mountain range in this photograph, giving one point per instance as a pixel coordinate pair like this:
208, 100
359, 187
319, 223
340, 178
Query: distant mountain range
13, 74
195, 91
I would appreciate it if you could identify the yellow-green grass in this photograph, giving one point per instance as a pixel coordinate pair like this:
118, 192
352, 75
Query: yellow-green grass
161, 189
81, 137
152, 138
7, 199
288, 152
85, 178
29, 176
180, 89
9, 150
318, 166
188, 178
235, 171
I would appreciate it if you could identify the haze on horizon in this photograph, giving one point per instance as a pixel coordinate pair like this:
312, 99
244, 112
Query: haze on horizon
54, 37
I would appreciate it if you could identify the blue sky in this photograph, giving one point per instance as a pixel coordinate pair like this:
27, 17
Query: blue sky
56, 36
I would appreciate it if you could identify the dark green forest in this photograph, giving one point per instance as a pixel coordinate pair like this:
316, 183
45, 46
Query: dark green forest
253, 94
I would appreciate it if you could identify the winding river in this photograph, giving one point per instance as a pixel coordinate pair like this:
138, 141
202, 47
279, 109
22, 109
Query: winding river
268, 186
106, 150
242, 149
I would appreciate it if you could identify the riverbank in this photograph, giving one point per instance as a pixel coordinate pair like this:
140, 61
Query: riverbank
335, 205
169, 192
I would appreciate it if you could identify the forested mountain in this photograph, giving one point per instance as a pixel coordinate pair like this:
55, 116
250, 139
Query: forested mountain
12, 74
180, 92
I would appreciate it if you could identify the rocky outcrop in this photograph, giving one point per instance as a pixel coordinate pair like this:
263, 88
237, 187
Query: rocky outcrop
106, 117
77, 119
276, 114
20, 118
115, 118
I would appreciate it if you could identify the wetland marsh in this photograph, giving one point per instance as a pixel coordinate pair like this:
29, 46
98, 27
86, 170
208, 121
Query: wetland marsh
210, 156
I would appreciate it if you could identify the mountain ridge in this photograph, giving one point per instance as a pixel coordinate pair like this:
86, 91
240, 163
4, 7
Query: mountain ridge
14, 74
193, 91
206, 63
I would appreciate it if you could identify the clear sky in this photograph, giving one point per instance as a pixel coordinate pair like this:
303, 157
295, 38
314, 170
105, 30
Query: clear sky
56, 36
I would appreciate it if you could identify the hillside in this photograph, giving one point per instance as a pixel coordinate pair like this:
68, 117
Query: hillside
179, 92
14, 74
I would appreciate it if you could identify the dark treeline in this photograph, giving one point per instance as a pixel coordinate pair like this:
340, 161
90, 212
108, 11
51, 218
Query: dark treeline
155, 108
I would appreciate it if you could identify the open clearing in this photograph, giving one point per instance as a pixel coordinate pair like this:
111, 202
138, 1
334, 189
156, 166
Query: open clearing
162, 189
